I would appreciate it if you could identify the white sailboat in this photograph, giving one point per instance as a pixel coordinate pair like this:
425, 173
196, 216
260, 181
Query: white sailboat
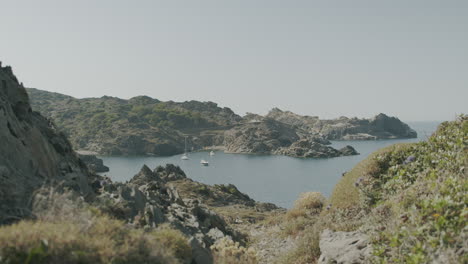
212, 153
204, 163
185, 156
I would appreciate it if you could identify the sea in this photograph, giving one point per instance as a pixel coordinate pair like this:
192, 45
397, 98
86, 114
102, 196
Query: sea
266, 178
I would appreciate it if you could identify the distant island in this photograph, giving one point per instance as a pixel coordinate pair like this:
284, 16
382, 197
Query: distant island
147, 126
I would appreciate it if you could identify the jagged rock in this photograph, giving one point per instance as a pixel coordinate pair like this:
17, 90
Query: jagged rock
343, 247
32, 153
93, 163
151, 198
145, 176
170, 172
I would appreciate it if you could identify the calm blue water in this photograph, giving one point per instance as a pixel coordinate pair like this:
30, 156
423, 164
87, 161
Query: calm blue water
275, 179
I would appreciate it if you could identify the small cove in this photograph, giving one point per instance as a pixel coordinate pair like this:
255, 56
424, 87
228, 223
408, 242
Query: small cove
265, 178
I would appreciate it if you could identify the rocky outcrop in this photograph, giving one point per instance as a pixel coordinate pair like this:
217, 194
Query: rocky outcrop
343, 247
379, 127
32, 152
93, 163
152, 198
269, 136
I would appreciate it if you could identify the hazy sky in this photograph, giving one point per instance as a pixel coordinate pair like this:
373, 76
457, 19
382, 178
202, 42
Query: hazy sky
329, 58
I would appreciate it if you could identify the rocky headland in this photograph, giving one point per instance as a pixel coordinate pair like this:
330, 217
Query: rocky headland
270, 136
380, 126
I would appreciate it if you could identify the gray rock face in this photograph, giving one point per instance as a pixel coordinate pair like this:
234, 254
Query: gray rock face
343, 247
150, 199
32, 152
379, 127
269, 136
93, 163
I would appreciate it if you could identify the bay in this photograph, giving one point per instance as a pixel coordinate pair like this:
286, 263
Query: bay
266, 178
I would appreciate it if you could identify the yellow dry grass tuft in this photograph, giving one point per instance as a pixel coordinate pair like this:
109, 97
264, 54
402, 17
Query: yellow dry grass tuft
68, 231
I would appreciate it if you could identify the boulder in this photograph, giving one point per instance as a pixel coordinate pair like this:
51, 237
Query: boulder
343, 247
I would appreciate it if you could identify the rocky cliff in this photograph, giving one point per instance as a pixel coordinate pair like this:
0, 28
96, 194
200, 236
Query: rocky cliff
32, 152
379, 127
269, 136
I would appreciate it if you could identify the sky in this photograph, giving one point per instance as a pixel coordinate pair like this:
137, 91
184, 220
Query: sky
406, 58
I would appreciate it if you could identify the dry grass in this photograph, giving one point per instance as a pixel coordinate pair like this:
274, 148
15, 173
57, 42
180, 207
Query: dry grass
227, 251
104, 241
310, 200
68, 232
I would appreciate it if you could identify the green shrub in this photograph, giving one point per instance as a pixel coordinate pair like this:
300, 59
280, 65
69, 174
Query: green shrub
427, 198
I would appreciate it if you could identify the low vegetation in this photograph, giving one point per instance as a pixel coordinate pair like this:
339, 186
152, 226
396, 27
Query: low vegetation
227, 251
70, 232
410, 199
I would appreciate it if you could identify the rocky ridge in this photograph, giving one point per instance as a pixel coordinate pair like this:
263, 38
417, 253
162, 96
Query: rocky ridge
159, 196
33, 152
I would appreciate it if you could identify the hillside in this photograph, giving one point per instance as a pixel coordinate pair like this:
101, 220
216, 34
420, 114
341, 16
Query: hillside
406, 203
137, 126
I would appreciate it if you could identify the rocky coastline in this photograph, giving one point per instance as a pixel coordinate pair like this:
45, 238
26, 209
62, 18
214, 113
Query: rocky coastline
147, 126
